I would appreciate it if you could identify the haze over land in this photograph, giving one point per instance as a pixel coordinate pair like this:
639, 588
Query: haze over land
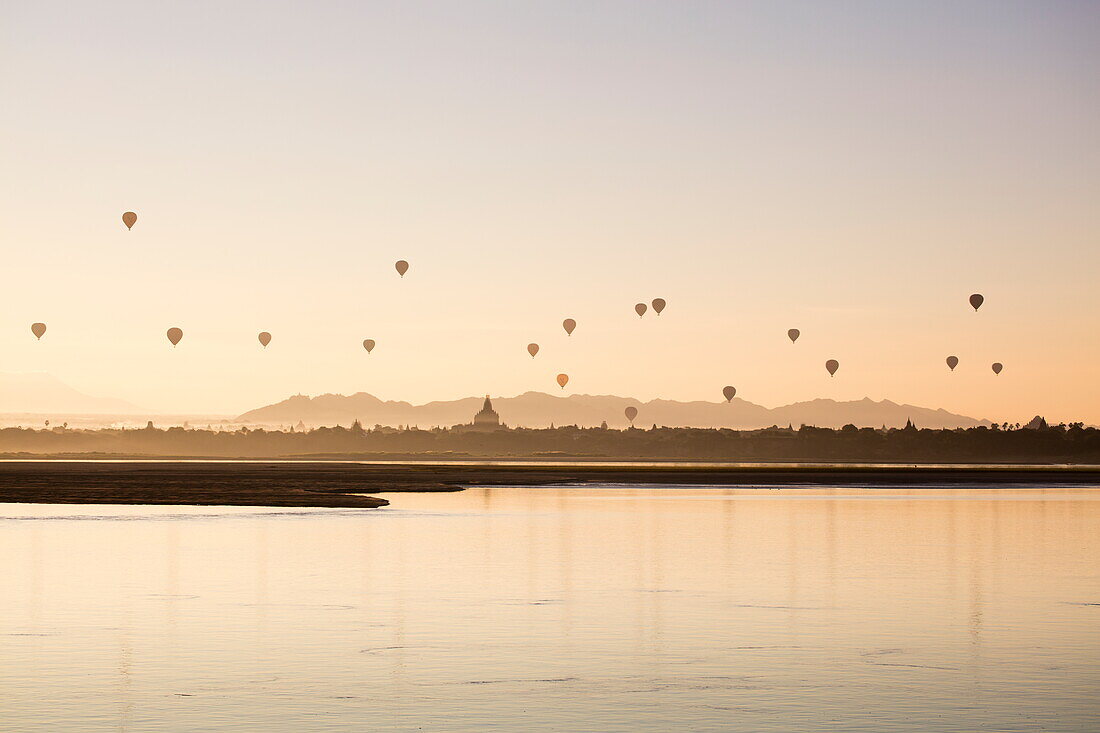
537, 409
47, 395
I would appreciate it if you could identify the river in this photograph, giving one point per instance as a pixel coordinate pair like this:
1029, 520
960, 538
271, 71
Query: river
560, 609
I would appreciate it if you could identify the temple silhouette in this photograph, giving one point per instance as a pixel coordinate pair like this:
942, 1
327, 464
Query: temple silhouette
486, 418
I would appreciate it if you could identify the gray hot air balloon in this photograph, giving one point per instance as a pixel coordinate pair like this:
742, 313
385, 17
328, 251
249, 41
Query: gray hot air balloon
976, 300
793, 334
402, 267
659, 305
729, 393
640, 309
129, 219
832, 365
569, 324
174, 335
368, 344
38, 329
563, 379
997, 367
952, 362
532, 349
265, 338
631, 413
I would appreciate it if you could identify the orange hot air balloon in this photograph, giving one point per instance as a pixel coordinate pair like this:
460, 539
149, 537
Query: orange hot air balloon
832, 365
659, 305
265, 338
569, 324
729, 392
532, 349
793, 334
976, 300
631, 413
640, 309
997, 367
174, 335
563, 379
402, 267
368, 344
38, 329
952, 362
129, 219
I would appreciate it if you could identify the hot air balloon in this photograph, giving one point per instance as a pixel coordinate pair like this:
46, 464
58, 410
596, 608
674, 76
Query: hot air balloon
793, 334
832, 365
129, 219
729, 392
640, 309
631, 413
532, 349
569, 324
659, 305
402, 267
997, 367
976, 300
563, 379
368, 344
174, 335
265, 338
952, 362
38, 329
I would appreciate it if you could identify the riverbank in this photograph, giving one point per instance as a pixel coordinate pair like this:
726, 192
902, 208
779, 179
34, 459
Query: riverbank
343, 484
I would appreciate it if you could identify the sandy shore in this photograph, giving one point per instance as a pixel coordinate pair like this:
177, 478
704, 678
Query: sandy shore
329, 484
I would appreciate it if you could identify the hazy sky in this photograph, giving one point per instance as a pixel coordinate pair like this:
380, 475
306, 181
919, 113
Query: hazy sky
854, 170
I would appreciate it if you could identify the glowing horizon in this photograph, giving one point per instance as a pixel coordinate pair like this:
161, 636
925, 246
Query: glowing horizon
855, 174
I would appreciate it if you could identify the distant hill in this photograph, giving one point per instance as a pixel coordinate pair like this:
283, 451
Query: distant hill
537, 409
44, 394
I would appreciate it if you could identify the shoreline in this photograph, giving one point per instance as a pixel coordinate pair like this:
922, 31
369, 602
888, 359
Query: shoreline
332, 484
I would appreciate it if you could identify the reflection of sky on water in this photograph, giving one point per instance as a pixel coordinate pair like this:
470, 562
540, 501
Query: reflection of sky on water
560, 608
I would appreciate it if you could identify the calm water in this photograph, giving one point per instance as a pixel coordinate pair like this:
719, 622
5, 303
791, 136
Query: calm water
560, 609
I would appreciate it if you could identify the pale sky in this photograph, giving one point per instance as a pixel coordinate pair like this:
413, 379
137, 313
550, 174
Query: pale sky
854, 170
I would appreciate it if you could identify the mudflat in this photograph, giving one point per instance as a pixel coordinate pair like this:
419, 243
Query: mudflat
343, 484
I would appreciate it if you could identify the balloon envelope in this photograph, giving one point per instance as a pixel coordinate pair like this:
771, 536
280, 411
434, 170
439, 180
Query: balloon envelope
563, 379
265, 338
997, 367
729, 392
368, 344
793, 334
952, 362
631, 413
976, 300
532, 349
174, 335
659, 305
569, 324
832, 365
129, 219
38, 329
402, 267
640, 309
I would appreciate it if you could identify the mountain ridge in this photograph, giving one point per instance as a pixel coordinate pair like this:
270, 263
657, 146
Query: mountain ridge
42, 393
539, 409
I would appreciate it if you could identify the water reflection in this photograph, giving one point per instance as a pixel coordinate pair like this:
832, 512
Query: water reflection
561, 609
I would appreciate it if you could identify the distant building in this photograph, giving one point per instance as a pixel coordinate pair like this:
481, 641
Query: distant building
487, 418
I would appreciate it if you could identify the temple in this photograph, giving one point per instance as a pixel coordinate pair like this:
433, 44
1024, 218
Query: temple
487, 418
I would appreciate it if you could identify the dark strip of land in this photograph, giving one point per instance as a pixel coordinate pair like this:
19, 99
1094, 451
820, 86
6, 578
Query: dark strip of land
330, 484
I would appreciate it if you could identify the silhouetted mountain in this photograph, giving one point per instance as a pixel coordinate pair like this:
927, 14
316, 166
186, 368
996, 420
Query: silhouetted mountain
537, 409
44, 394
